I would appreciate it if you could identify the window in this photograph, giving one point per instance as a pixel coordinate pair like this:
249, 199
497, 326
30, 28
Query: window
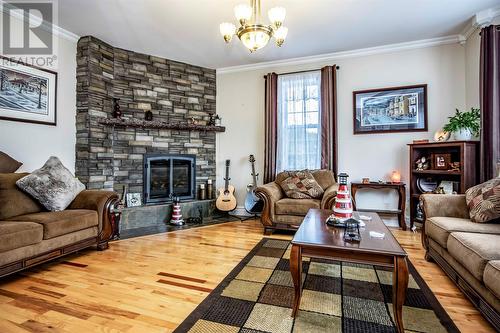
298, 123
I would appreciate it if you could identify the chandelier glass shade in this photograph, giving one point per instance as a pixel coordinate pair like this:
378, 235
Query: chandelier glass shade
252, 33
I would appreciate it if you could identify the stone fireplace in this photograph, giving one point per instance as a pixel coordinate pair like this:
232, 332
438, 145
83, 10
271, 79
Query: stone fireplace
110, 155
167, 176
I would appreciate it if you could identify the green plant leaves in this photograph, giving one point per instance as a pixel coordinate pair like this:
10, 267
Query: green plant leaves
470, 120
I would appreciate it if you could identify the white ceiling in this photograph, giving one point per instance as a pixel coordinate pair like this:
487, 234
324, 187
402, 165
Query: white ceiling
188, 30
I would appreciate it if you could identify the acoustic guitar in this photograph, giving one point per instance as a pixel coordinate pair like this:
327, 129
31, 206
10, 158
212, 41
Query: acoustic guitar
226, 200
253, 204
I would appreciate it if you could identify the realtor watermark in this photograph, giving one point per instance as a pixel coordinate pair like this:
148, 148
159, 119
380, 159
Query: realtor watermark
28, 32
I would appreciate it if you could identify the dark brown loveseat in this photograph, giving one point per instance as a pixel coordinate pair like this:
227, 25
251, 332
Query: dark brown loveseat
30, 235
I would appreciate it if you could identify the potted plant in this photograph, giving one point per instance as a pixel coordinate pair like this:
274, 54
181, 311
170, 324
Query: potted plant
464, 125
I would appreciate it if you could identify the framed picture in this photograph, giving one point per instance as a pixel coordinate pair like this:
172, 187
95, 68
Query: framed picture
27, 93
397, 109
440, 161
133, 199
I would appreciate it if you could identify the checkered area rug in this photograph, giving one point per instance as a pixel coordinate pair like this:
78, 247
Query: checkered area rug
257, 296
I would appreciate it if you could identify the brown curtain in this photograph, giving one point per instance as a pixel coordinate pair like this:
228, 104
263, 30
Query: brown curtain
271, 127
329, 118
490, 102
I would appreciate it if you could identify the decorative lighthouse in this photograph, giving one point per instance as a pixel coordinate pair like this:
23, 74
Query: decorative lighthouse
343, 202
176, 212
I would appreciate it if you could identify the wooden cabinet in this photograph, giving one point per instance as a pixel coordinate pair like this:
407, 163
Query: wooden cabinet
464, 152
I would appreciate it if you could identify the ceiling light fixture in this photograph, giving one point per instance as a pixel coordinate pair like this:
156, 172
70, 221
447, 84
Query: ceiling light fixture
252, 33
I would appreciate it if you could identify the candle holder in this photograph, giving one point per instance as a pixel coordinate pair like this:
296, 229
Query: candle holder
395, 177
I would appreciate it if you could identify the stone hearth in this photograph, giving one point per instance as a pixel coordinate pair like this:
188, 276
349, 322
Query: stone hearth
138, 221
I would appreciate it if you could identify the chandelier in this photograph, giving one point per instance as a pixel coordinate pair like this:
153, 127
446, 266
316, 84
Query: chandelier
252, 33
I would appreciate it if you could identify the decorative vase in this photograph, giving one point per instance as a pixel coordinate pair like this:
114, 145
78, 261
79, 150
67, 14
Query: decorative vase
210, 189
343, 202
463, 134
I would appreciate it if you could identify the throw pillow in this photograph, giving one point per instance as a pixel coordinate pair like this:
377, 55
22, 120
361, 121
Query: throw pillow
301, 185
483, 201
52, 185
13, 201
8, 164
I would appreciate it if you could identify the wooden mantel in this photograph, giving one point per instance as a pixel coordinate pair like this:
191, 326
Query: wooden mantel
157, 124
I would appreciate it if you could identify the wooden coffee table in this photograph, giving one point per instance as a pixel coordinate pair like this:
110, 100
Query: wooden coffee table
316, 239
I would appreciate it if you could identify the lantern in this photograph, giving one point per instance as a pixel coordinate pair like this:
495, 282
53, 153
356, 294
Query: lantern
343, 202
351, 232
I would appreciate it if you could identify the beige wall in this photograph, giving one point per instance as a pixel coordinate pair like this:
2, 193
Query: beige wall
240, 102
33, 144
472, 55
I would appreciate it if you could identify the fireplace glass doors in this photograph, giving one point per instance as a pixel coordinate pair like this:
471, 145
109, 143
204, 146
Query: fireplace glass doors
166, 176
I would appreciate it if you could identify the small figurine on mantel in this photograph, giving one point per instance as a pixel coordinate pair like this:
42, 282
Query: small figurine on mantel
117, 113
218, 120
211, 120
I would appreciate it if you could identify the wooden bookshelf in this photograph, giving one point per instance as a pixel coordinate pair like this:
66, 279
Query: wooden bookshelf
465, 152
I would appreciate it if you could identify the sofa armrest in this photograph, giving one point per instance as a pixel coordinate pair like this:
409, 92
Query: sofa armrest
328, 200
269, 193
102, 202
450, 205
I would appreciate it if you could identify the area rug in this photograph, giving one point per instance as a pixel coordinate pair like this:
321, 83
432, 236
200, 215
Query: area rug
257, 296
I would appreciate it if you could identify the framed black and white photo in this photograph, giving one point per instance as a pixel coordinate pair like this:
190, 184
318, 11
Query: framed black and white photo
397, 109
27, 93
133, 199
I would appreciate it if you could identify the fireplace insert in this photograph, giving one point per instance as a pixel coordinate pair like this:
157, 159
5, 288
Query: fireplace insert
168, 176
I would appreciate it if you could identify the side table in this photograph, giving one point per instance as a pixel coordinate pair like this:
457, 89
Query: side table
399, 187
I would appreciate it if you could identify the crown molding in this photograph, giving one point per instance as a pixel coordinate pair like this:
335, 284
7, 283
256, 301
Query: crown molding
47, 26
398, 47
478, 21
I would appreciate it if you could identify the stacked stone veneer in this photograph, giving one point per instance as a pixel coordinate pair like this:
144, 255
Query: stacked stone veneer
108, 157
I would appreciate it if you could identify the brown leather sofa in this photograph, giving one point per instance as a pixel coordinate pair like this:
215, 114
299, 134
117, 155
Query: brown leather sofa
468, 252
285, 213
30, 235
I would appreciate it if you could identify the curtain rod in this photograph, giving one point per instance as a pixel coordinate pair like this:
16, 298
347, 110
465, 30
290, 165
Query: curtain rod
497, 27
304, 71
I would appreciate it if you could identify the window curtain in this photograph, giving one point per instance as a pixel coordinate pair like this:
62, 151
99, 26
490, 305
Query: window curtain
299, 129
490, 102
329, 118
271, 100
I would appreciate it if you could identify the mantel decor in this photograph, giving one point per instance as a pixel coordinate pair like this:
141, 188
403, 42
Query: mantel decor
157, 124
27, 93
397, 109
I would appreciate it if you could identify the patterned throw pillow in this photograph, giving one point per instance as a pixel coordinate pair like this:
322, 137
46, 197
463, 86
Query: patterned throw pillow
8, 164
301, 185
483, 201
52, 185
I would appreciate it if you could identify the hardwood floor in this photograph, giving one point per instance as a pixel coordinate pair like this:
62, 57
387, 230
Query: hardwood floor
151, 283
